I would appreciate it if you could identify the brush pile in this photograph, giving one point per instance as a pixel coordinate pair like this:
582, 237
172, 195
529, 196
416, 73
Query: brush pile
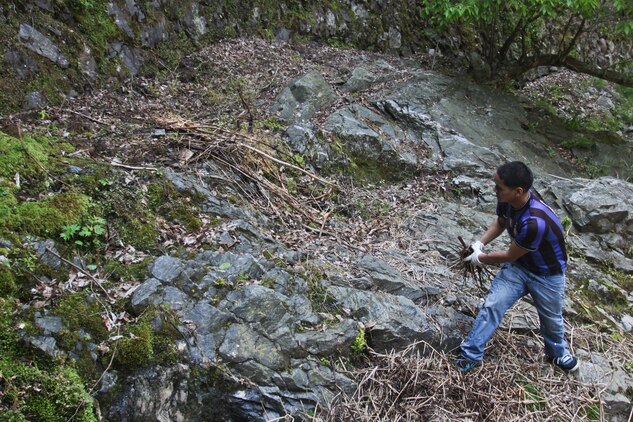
280, 187
513, 384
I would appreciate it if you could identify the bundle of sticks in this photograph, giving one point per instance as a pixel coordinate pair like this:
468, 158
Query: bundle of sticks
481, 274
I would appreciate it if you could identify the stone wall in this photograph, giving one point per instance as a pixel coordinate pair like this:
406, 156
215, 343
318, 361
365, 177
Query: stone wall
52, 49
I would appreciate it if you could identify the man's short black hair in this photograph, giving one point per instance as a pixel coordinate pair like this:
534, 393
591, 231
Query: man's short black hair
516, 174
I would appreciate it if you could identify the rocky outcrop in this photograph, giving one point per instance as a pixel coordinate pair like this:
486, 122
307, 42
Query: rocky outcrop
258, 323
303, 98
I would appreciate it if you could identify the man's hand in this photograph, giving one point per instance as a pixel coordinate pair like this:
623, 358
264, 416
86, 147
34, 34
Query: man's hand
473, 258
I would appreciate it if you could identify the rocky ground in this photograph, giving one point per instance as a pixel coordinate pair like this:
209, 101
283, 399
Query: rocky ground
371, 243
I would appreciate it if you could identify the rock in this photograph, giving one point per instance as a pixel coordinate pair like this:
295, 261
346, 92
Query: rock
364, 77
134, 10
283, 35
166, 268
387, 279
242, 344
47, 253
50, 324
46, 344
302, 139
119, 19
394, 38
21, 62
627, 323
151, 36
34, 101
376, 146
146, 293
109, 381
131, 57
397, 321
158, 394
38, 43
87, 64
603, 205
206, 317
303, 98
335, 340
194, 23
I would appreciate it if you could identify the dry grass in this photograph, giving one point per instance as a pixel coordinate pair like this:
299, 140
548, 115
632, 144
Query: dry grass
420, 384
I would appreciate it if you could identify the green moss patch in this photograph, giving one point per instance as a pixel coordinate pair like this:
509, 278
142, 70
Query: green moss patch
151, 340
30, 393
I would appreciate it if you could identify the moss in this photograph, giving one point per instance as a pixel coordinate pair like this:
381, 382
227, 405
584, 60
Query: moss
9, 337
142, 345
36, 394
126, 272
135, 350
611, 299
31, 207
359, 345
80, 312
177, 206
143, 235
7, 282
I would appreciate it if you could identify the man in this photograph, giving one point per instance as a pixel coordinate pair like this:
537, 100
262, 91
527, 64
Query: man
534, 263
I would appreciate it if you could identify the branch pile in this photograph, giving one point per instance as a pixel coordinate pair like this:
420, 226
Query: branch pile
272, 183
420, 384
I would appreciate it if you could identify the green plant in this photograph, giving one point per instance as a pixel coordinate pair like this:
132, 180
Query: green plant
593, 412
359, 345
578, 142
534, 398
567, 224
86, 234
220, 282
324, 361
273, 123
508, 35
299, 160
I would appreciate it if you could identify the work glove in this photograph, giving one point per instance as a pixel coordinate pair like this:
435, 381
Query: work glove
473, 258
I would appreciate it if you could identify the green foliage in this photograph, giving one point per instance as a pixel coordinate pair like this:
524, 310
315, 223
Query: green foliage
142, 345
359, 345
592, 412
7, 282
513, 31
135, 350
273, 123
85, 234
567, 223
80, 312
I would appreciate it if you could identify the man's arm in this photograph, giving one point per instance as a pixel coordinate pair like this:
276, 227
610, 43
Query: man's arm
494, 230
498, 257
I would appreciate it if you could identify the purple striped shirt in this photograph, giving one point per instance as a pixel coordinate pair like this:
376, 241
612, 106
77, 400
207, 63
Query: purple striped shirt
536, 227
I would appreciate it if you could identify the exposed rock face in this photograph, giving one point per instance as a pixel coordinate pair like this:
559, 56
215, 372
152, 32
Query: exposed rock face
303, 98
257, 328
40, 44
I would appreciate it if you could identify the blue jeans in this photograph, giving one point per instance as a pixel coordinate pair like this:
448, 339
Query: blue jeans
512, 283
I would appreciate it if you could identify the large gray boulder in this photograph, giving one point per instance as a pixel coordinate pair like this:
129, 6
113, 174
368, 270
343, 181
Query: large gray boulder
377, 148
303, 98
602, 206
394, 322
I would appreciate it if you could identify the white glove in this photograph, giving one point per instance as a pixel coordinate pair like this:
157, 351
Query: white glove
473, 258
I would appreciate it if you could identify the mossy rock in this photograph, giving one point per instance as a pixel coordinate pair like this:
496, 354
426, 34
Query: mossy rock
31, 393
